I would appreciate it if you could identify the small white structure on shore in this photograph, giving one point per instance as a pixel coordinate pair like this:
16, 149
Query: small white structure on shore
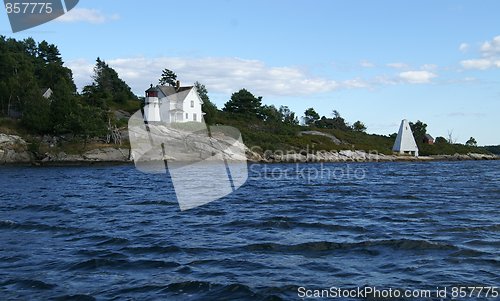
405, 142
173, 104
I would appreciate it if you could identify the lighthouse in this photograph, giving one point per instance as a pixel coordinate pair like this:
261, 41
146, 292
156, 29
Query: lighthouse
405, 142
152, 105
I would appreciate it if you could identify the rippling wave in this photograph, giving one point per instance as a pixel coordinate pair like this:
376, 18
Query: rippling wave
112, 233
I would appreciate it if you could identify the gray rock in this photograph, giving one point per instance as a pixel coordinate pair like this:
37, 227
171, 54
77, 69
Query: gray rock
107, 155
13, 149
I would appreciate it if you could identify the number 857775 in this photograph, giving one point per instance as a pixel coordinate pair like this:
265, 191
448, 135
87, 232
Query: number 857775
29, 8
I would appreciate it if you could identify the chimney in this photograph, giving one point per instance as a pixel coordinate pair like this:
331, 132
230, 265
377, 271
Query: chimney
177, 85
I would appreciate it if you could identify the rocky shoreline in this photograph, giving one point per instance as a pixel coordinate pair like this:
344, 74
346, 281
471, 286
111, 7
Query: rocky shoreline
14, 150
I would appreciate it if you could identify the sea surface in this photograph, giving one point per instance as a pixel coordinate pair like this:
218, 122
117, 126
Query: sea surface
114, 233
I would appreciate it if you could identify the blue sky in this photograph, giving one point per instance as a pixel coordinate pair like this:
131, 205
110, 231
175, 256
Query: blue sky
374, 61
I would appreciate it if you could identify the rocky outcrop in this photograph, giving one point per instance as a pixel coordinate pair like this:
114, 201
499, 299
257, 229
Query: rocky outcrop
13, 150
187, 143
181, 146
356, 156
109, 154
470, 156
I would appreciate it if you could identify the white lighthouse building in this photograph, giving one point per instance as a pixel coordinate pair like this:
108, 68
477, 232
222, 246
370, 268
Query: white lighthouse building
173, 104
152, 105
405, 142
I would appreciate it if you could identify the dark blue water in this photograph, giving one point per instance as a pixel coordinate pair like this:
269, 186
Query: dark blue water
112, 233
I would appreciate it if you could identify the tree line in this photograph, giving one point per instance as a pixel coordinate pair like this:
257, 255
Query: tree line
28, 68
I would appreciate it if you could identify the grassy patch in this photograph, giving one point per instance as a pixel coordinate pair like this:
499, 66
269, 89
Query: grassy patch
11, 126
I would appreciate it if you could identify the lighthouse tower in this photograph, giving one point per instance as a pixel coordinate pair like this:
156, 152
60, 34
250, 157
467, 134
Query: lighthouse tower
152, 105
405, 142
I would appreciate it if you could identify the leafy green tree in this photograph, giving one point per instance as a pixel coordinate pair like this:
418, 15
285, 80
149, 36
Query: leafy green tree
30, 47
69, 115
49, 53
471, 142
310, 116
36, 115
271, 114
168, 77
27, 69
359, 126
419, 130
244, 102
208, 107
64, 111
107, 87
288, 116
440, 140
52, 74
92, 121
337, 122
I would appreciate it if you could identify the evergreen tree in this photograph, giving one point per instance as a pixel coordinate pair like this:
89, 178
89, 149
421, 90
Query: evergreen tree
36, 115
208, 107
471, 142
310, 116
27, 69
244, 102
337, 122
168, 77
271, 114
359, 126
288, 116
107, 87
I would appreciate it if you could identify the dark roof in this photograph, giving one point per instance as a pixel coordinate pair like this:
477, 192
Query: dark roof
152, 89
169, 90
428, 137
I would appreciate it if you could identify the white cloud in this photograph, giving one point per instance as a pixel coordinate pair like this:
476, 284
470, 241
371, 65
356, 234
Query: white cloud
429, 67
417, 77
463, 47
481, 64
354, 83
490, 52
385, 80
366, 64
88, 15
397, 65
220, 75
224, 75
491, 48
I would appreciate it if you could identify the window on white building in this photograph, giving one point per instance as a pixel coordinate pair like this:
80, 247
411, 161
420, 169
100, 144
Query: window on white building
192, 103
187, 116
194, 116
